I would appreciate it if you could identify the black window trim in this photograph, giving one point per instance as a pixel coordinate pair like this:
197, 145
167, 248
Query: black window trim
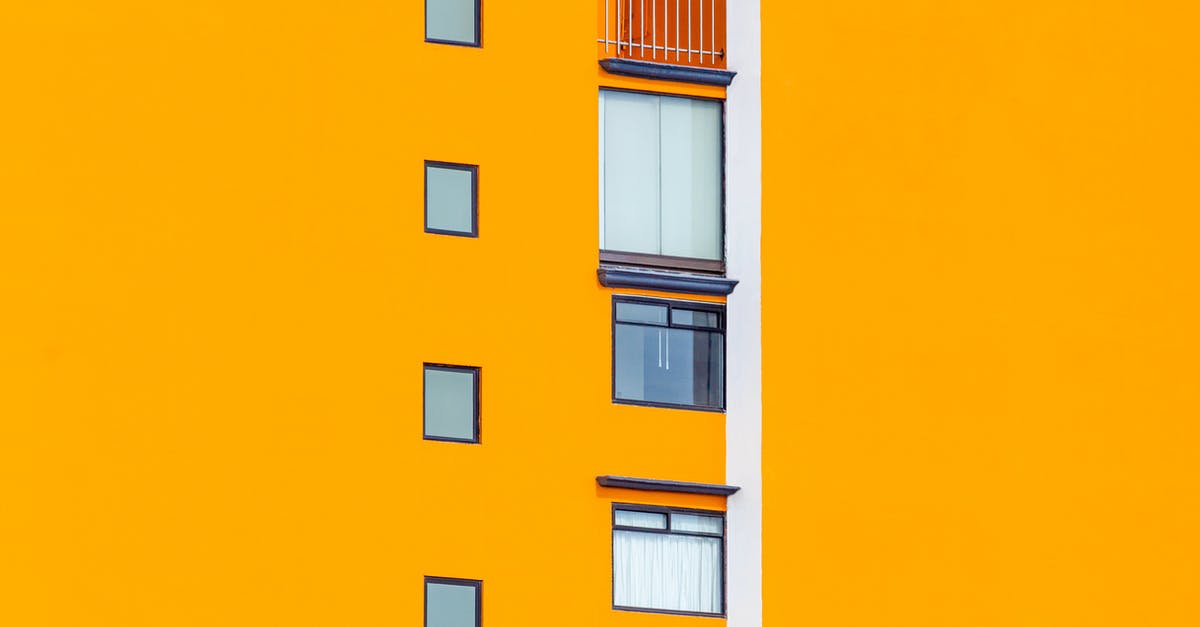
695, 264
478, 43
477, 373
661, 509
450, 165
454, 581
670, 303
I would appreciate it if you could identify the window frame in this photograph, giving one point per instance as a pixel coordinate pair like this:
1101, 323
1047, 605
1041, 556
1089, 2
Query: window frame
478, 43
477, 383
452, 581
663, 509
690, 264
719, 308
450, 165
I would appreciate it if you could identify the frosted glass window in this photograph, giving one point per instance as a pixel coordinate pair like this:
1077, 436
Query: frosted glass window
698, 524
452, 602
668, 365
451, 198
676, 570
649, 520
661, 179
452, 22
451, 403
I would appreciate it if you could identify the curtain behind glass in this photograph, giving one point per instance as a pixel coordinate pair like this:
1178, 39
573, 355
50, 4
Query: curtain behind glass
667, 572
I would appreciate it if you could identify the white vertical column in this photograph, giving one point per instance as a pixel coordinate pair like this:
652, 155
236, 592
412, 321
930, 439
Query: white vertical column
743, 210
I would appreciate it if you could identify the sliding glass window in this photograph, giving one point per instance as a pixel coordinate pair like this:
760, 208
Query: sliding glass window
661, 180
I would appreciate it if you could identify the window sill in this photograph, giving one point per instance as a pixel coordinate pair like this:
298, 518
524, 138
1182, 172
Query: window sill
665, 281
663, 485
665, 262
668, 72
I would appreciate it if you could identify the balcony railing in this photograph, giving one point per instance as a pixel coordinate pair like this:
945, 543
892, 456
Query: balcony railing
680, 32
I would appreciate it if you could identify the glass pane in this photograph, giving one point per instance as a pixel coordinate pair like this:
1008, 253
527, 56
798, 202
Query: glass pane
649, 520
667, 572
638, 312
449, 199
697, 523
677, 366
449, 605
450, 403
695, 318
629, 156
450, 20
691, 178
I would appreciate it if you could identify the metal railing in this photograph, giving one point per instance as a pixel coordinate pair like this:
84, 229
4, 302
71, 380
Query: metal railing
681, 32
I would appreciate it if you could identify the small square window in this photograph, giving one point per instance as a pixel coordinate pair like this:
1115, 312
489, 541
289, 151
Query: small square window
451, 403
453, 602
452, 22
451, 198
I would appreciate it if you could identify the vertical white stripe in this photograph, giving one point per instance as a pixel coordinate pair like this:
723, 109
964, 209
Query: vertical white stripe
743, 209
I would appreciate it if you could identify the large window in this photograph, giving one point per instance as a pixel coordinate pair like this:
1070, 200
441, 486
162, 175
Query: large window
453, 602
660, 179
452, 22
668, 560
668, 353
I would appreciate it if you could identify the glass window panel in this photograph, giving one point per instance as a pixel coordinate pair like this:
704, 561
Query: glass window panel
450, 403
667, 572
451, 20
450, 605
641, 312
694, 318
449, 199
676, 366
649, 520
691, 177
697, 523
629, 156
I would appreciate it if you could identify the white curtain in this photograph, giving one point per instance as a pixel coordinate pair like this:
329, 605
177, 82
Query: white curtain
667, 572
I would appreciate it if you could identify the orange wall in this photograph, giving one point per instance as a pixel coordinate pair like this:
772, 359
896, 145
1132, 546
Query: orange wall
982, 386
218, 296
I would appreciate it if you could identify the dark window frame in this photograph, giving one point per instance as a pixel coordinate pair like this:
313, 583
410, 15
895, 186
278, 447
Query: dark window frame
691, 264
450, 165
454, 581
660, 509
477, 383
670, 304
478, 43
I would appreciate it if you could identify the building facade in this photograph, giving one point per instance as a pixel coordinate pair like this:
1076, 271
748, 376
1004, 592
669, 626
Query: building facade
462, 313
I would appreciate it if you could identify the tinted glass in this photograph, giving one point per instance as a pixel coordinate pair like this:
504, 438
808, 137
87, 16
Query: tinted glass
450, 403
451, 21
695, 318
449, 605
449, 199
639, 312
676, 366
